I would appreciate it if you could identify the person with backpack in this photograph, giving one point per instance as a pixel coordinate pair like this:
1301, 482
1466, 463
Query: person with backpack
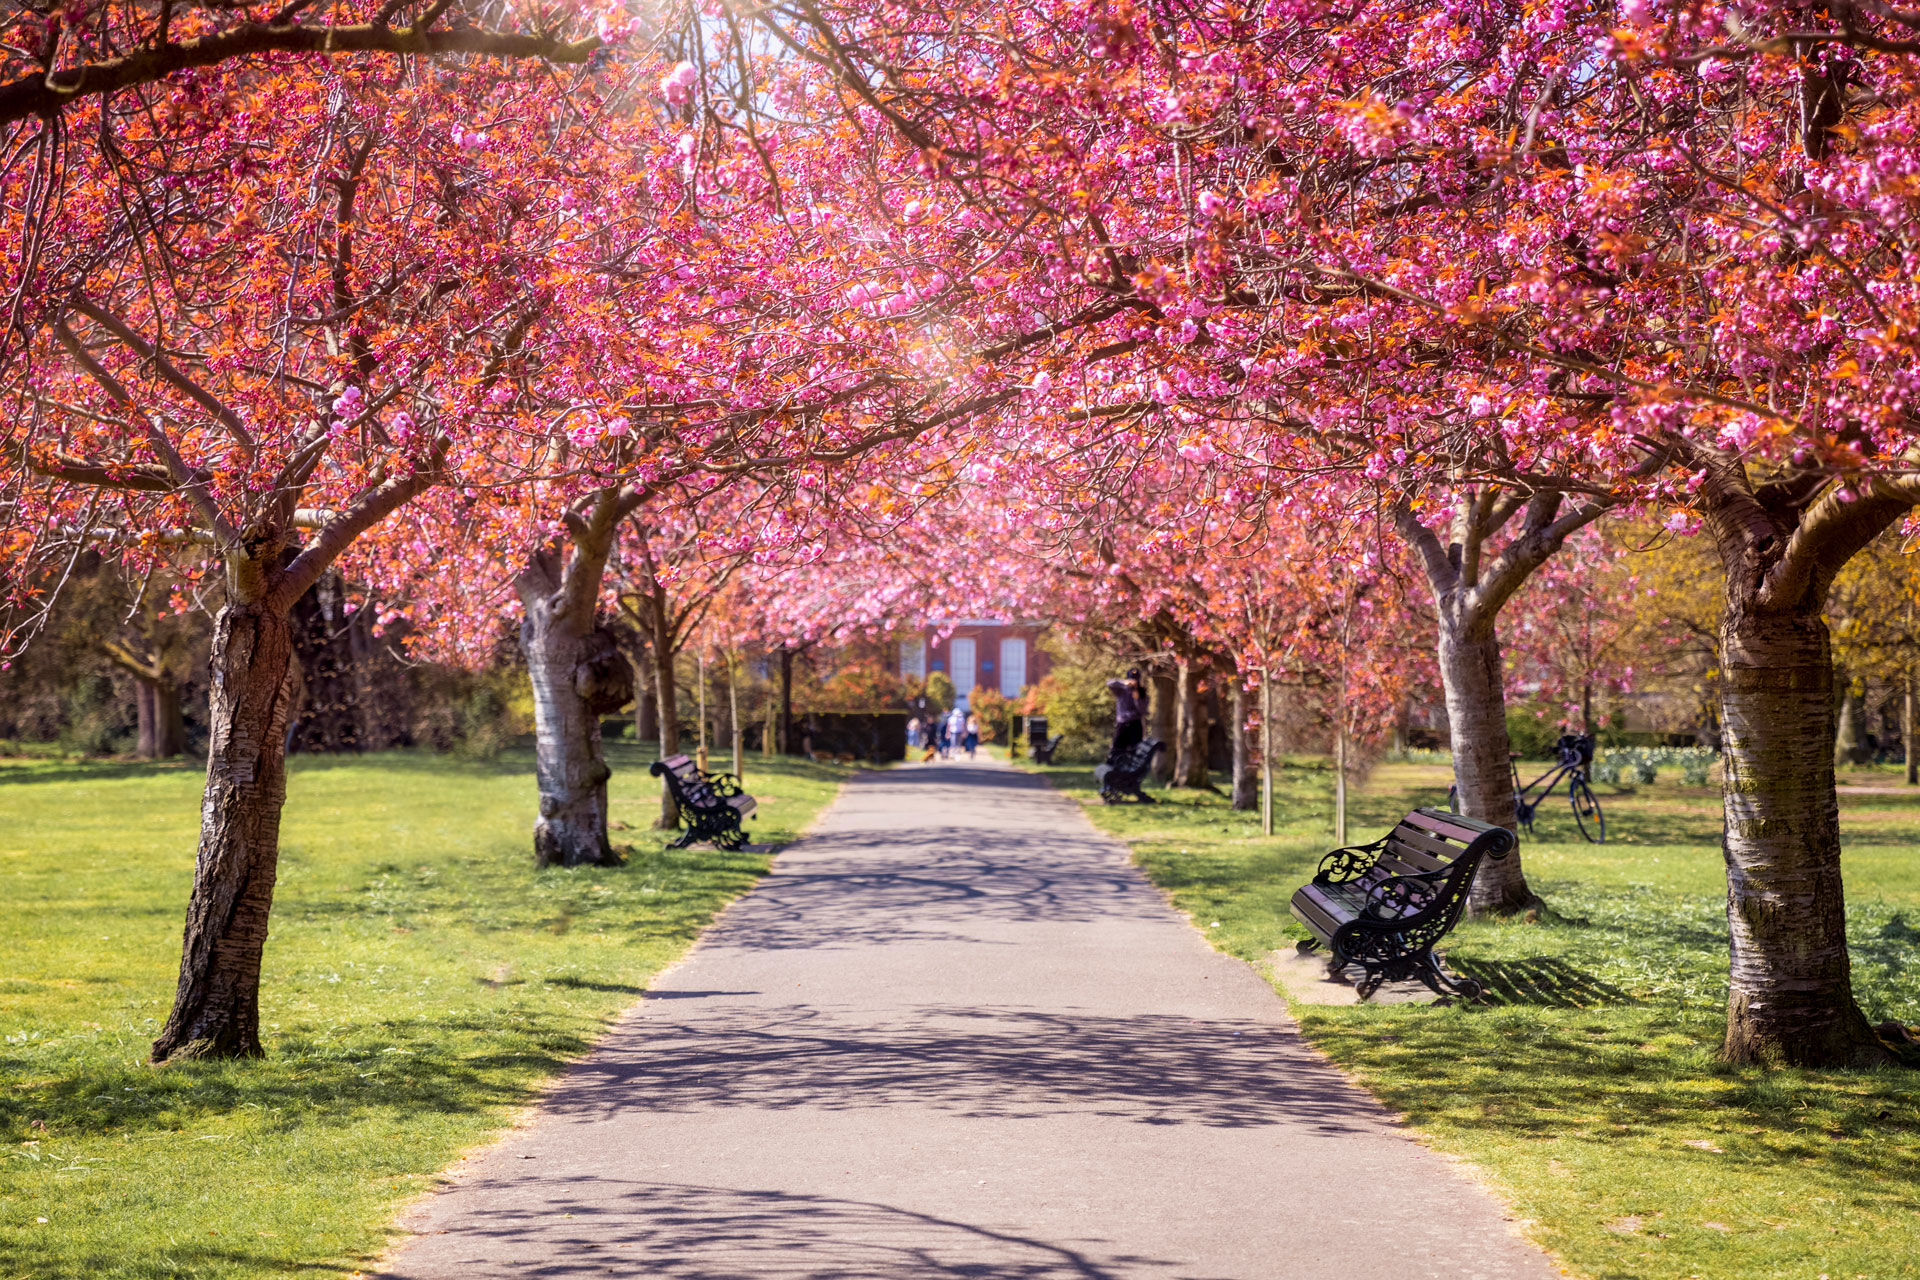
1130, 702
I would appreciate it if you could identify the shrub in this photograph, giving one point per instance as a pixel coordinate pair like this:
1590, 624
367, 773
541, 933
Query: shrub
993, 708
1532, 731
476, 714
940, 694
1629, 766
1075, 700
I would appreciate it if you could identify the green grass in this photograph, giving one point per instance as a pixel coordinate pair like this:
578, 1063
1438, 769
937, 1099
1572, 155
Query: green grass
1589, 1092
422, 980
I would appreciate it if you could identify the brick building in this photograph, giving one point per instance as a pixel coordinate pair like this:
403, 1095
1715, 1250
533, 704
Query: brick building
989, 653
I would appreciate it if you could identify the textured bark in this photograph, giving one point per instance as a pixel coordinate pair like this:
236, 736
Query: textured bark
578, 674
570, 767
666, 697
161, 730
216, 1006
1848, 748
161, 723
1790, 996
733, 719
1161, 725
1190, 732
1246, 778
1907, 727
787, 745
646, 704
1475, 687
1471, 583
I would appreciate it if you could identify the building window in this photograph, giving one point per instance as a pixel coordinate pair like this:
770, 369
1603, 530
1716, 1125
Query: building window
913, 657
1013, 666
963, 665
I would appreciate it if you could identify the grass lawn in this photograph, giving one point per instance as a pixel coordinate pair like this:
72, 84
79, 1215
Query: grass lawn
1588, 1092
421, 982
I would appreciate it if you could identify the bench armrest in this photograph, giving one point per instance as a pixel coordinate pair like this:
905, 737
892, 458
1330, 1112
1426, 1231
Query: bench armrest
1343, 866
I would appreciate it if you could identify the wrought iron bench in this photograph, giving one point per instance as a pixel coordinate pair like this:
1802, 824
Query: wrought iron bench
1120, 778
1044, 748
712, 805
1383, 906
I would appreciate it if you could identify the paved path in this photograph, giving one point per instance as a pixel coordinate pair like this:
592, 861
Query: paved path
956, 1034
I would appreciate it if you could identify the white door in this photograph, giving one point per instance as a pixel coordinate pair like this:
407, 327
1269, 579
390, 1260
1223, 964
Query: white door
1013, 666
963, 668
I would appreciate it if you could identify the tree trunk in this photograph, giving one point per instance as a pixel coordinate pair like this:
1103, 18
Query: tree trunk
1475, 688
1162, 694
786, 702
1191, 767
733, 719
1269, 749
162, 726
1846, 734
1246, 779
1906, 726
666, 691
1340, 778
216, 1006
1790, 996
571, 769
646, 703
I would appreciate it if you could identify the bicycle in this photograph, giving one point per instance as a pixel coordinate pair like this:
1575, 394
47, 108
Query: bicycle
1575, 752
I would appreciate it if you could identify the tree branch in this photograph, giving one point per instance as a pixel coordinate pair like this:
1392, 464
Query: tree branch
46, 94
152, 354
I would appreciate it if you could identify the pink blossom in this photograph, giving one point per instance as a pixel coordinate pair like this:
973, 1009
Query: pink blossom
677, 85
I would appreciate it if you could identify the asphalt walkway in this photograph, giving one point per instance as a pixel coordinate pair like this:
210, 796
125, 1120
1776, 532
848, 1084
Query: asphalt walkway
956, 1034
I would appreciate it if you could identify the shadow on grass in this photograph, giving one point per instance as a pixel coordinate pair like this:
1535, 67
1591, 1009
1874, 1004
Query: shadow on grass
97, 771
1538, 980
179, 1260
1630, 1075
466, 1064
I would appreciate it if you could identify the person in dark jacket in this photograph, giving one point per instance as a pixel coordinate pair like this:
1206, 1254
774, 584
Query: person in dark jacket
1129, 713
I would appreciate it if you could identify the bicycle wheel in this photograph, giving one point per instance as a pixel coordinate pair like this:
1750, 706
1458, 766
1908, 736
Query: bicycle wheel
1586, 811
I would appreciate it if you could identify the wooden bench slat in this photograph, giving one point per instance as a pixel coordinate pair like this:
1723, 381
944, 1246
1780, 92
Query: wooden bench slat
1314, 914
1444, 826
1388, 865
1412, 838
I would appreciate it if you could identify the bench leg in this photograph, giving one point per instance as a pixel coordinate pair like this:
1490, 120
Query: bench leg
1444, 984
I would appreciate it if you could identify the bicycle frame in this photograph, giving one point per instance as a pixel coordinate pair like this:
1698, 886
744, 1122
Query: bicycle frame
1524, 809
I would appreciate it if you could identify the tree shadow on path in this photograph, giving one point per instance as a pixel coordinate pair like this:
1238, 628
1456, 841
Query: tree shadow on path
600, 1226
979, 1063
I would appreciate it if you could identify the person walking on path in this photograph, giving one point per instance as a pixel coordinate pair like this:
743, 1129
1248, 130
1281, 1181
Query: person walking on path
956, 729
1129, 713
913, 732
973, 734
937, 739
